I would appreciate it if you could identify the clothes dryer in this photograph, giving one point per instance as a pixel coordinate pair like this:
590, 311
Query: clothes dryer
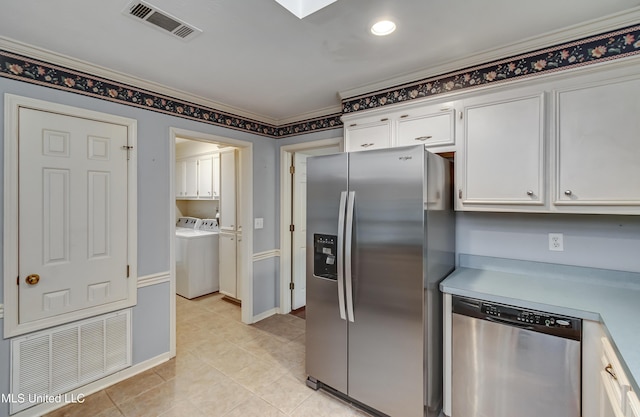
196, 259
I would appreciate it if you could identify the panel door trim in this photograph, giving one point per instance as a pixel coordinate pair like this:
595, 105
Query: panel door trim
13, 103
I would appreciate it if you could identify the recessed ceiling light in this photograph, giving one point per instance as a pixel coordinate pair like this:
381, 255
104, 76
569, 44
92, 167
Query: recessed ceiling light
383, 28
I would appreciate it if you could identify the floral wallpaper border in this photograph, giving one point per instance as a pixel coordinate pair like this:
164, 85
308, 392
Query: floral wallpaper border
613, 45
38, 72
604, 47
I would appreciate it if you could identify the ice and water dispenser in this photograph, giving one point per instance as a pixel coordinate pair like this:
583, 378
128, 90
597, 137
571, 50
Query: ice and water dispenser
325, 249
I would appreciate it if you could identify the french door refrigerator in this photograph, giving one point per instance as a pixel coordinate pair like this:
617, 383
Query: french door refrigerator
380, 238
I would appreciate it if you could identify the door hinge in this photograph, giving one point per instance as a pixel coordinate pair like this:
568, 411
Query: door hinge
292, 170
292, 228
128, 149
18, 280
127, 271
291, 285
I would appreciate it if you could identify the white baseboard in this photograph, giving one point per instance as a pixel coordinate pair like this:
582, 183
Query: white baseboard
96, 386
264, 315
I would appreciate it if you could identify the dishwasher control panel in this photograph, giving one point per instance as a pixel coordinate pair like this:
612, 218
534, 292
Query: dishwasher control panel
524, 316
553, 324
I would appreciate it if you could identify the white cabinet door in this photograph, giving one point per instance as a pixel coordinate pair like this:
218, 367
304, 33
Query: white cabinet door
191, 178
369, 133
215, 175
239, 266
228, 191
597, 146
502, 164
181, 179
432, 126
205, 177
228, 264
615, 384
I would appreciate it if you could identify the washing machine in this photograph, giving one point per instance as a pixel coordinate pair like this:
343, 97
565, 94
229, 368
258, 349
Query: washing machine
196, 257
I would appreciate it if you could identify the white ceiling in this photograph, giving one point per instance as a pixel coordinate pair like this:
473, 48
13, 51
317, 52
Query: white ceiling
256, 58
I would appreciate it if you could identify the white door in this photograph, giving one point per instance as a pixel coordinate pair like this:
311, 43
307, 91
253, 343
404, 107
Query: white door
73, 214
227, 264
299, 238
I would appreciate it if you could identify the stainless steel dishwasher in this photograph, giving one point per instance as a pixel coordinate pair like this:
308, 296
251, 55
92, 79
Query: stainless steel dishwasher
508, 361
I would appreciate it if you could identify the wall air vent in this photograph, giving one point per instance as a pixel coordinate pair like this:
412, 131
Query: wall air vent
56, 361
159, 19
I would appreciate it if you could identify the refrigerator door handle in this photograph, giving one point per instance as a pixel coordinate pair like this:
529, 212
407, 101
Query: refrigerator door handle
340, 254
347, 255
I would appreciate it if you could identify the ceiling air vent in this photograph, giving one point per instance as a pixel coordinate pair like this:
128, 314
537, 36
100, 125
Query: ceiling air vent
151, 15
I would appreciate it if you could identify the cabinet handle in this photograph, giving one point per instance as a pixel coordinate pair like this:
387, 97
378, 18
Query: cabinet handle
423, 138
609, 369
353, 124
460, 193
384, 120
366, 145
568, 192
529, 193
445, 109
404, 115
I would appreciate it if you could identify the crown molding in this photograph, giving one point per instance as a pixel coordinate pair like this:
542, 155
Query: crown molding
337, 108
589, 28
21, 48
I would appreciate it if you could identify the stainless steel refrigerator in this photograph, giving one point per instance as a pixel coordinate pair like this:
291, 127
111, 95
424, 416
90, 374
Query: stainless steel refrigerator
380, 238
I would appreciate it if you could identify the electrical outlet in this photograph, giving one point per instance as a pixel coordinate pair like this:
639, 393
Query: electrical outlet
556, 242
258, 223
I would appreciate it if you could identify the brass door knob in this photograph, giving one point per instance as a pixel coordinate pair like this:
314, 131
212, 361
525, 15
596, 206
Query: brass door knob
32, 279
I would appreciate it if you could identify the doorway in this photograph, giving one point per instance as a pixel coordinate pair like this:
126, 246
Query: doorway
293, 218
244, 196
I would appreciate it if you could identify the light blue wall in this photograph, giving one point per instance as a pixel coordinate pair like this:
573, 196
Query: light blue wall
598, 241
150, 341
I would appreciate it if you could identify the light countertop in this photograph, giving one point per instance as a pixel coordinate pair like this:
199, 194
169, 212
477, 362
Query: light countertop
610, 297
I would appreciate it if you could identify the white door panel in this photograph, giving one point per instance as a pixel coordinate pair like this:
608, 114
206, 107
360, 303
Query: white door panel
73, 213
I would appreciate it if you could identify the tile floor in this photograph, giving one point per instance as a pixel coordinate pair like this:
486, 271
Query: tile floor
223, 368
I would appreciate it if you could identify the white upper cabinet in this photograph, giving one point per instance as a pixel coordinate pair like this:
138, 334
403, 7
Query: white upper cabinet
192, 178
205, 177
367, 133
431, 126
501, 161
181, 179
198, 177
563, 143
597, 148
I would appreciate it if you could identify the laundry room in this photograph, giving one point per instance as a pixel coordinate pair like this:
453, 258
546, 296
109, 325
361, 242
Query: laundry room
207, 233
